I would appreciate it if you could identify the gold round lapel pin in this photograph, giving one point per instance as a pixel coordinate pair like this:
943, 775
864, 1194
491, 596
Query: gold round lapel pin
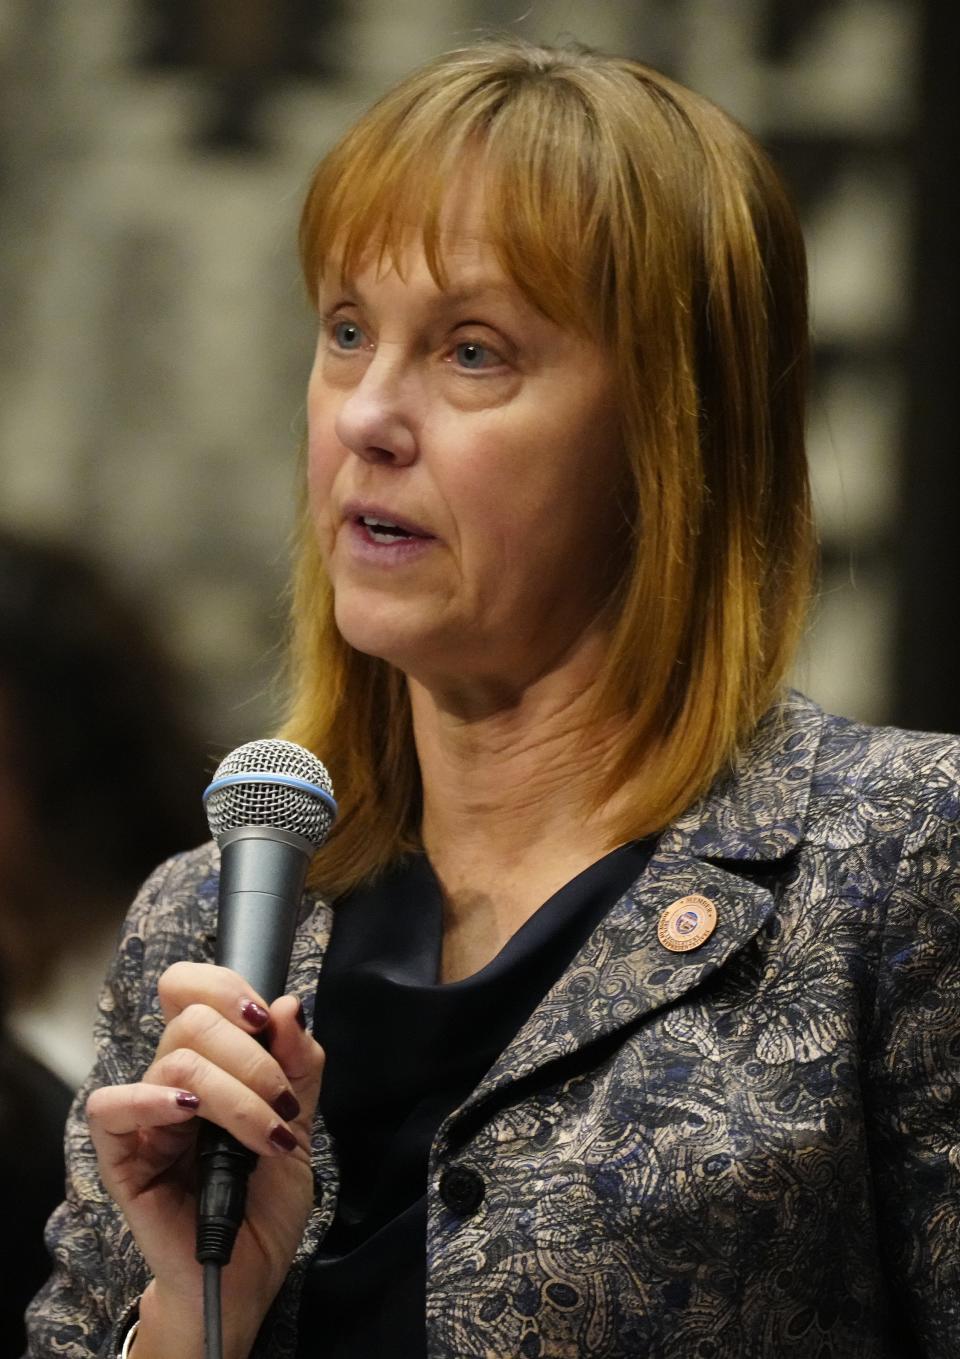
687, 923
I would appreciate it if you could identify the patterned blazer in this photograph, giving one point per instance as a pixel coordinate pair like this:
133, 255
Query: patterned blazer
751, 1149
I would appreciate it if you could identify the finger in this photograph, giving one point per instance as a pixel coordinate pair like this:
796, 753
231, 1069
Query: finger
203, 1030
297, 1052
184, 984
230, 1103
119, 1115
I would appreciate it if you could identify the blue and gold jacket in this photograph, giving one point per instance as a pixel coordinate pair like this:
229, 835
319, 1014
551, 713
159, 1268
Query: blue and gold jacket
750, 1150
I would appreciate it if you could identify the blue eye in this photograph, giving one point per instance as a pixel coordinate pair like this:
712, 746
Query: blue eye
472, 355
347, 335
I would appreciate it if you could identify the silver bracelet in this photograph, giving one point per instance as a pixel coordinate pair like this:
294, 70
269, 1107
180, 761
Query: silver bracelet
128, 1343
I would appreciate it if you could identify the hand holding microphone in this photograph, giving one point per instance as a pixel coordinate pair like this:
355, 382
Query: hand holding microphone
270, 806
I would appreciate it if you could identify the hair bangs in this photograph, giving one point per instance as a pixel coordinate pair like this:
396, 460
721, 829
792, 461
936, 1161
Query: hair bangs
545, 218
387, 186
372, 202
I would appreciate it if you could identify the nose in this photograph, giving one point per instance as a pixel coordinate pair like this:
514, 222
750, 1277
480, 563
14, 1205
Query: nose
376, 419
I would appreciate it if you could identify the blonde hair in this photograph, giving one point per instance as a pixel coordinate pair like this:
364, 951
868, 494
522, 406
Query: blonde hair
637, 213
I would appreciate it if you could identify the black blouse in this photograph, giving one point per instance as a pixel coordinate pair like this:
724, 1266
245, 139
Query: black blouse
403, 1050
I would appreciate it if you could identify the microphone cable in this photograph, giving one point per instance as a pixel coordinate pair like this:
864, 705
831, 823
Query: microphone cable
212, 1313
225, 1166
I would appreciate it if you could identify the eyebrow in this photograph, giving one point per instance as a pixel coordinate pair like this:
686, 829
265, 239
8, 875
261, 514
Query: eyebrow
476, 290
469, 292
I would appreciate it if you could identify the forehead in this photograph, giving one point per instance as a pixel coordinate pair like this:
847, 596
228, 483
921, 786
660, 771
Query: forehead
473, 286
460, 257
478, 220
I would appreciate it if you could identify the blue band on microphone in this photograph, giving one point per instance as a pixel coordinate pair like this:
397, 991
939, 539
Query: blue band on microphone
302, 786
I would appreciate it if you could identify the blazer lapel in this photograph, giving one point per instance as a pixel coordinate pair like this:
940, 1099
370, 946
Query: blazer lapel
755, 816
309, 946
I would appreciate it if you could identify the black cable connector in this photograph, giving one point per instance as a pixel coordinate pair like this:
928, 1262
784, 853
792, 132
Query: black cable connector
225, 1165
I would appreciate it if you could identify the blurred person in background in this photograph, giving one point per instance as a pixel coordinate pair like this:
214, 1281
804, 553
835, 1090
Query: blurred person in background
100, 774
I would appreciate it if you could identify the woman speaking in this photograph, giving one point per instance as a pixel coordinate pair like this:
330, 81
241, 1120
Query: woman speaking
632, 977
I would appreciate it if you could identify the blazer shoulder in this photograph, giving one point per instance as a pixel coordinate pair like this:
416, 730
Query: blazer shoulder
176, 908
871, 782
174, 914
183, 887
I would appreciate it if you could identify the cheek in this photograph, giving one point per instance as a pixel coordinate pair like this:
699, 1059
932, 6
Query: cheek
324, 456
565, 512
319, 475
319, 484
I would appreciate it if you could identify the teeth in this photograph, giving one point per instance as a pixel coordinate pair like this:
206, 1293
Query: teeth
382, 530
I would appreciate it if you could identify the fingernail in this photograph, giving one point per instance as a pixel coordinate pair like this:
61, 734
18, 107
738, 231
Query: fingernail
301, 1017
282, 1138
286, 1105
187, 1101
255, 1015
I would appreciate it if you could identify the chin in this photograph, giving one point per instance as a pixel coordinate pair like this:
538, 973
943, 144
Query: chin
380, 632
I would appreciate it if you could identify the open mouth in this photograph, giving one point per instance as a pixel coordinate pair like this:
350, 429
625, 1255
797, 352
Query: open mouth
384, 530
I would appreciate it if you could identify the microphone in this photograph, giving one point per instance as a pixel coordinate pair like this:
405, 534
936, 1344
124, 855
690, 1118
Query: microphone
270, 807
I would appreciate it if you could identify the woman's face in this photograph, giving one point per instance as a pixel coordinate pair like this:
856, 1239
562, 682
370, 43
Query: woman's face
464, 467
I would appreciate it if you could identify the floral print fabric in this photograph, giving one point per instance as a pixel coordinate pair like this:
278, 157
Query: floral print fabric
748, 1150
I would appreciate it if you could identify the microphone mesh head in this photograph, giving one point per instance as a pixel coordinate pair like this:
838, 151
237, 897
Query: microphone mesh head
266, 798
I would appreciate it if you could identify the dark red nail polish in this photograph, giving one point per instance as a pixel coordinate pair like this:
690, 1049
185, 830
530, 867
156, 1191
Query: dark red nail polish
255, 1015
286, 1105
282, 1138
301, 1017
188, 1101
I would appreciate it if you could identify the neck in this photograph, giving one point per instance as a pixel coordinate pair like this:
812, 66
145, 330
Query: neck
509, 791
510, 775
